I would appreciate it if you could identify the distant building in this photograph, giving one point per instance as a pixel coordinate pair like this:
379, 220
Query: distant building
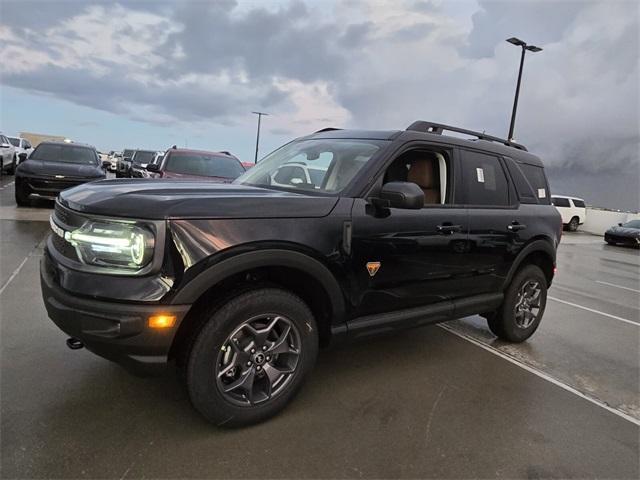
36, 138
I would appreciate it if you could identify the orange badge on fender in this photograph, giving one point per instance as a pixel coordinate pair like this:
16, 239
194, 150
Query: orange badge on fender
372, 268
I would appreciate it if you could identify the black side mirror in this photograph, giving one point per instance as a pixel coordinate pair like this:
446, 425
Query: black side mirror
153, 167
126, 159
402, 195
106, 164
619, 224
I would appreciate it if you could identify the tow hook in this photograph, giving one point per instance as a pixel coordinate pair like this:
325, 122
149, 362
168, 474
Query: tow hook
74, 343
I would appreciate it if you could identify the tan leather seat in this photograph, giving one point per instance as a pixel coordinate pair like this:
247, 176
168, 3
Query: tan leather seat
423, 173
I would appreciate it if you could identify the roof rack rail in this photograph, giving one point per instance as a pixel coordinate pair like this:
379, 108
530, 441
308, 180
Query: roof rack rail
328, 129
438, 128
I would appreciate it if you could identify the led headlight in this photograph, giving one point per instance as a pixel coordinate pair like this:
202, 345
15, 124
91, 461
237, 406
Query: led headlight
120, 245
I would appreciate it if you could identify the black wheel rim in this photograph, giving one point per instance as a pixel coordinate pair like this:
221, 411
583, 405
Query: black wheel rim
528, 303
258, 360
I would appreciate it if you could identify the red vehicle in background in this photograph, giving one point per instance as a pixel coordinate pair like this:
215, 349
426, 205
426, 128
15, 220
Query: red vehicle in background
182, 163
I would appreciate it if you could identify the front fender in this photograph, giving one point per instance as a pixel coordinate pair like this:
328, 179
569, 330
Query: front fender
241, 262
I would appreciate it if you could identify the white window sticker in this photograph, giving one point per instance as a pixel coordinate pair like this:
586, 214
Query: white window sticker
480, 173
542, 193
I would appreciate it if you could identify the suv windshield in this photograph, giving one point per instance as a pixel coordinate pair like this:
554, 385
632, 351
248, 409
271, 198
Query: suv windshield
322, 165
64, 153
128, 153
143, 156
203, 165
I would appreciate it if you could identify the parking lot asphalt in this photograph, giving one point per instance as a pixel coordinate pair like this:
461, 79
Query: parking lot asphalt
440, 402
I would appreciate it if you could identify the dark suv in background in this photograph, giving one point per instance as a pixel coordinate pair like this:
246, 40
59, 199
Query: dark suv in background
240, 284
56, 166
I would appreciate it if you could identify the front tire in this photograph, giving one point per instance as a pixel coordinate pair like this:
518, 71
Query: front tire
22, 195
521, 311
251, 357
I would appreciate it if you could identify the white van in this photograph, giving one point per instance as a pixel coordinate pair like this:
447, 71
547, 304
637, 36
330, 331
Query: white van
572, 209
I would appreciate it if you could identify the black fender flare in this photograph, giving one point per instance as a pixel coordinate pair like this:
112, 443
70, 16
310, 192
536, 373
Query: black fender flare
540, 245
264, 258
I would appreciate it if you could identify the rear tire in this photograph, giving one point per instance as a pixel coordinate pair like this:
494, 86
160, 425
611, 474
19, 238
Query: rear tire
22, 195
521, 311
251, 357
573, 224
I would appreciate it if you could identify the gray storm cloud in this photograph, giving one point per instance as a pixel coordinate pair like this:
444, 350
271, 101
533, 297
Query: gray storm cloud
385, 64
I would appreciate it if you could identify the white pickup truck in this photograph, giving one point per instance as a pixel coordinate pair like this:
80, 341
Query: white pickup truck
572, 209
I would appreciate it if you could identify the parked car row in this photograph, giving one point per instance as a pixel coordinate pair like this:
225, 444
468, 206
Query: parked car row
55, 166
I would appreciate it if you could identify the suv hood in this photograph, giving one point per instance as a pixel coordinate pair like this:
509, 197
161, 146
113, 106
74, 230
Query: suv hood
160, 199
51, 168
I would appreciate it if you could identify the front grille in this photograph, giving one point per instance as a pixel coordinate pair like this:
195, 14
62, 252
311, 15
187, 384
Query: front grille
66, 218
64, 248
43, 185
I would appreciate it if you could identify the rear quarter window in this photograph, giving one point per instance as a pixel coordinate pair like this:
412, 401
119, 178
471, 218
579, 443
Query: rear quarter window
537, 180
579, 203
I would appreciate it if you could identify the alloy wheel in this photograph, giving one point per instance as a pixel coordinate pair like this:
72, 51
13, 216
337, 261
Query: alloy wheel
258, 360
527, 307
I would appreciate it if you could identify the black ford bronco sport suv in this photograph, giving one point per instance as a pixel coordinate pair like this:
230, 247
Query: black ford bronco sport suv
340, 234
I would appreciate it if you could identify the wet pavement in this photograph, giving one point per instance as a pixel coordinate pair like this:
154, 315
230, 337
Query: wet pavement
440, 402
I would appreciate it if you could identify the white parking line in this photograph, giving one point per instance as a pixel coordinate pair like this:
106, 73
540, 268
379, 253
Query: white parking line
14, 273
617, 286
540, 374
595, 311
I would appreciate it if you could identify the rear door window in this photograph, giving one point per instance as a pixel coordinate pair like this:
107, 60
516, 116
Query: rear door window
484, 181
560, 202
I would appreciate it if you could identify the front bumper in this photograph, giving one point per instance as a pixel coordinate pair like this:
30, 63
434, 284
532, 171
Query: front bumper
49, 187
116, 331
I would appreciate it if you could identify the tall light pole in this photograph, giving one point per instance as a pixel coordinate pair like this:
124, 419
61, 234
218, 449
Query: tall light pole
532, 48
260, 114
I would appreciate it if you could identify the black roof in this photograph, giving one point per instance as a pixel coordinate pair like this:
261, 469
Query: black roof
435, 132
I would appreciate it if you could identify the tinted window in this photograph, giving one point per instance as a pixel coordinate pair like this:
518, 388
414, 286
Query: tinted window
64, 153
560, 202
523, 187
128, 153
142, 156
536, 178
15, 142
484, 181
204, 165
27, 144
3, 139
578, 203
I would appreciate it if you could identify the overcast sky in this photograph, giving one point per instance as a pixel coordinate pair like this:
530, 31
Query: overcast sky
153, 73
